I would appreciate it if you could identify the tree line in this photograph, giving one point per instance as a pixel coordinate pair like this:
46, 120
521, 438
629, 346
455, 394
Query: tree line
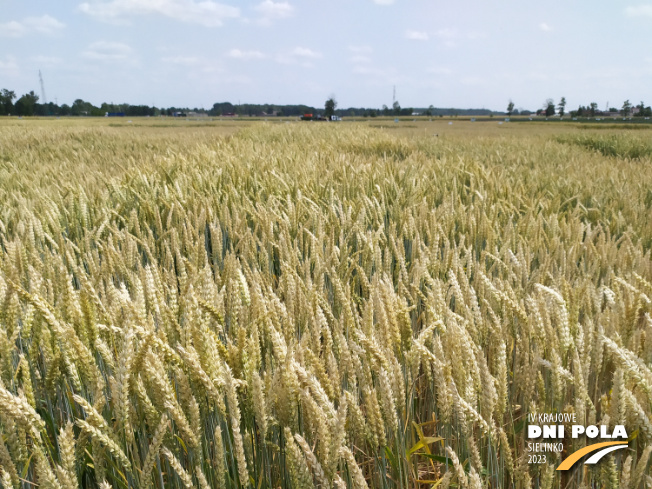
30, 104
549, 109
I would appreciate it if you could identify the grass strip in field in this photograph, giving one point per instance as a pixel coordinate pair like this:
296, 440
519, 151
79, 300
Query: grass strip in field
616, 145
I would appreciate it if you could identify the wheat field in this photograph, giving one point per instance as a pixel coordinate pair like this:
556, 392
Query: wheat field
319, 305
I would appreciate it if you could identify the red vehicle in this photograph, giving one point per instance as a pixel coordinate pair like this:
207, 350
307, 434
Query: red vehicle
310, 117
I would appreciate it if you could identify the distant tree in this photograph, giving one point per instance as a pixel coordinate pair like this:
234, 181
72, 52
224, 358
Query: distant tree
396, 108
643, 110
46, 109
549, 107
593, 109
6, 101
640, 109
613, 109
329, 107
429, 111
77, 107
26, 104
562, 107
510, 108
80, 107
627, 108
222, 108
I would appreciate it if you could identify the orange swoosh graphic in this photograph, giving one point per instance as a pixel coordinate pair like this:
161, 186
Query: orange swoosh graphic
570, 461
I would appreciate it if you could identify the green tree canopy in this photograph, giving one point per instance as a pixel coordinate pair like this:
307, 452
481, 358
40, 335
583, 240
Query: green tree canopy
549, 107
562, 107
6, 101
329, 107
510, 108
627, 108
26, 104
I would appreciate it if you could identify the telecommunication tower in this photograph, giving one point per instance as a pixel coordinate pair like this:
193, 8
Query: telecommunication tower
40, 77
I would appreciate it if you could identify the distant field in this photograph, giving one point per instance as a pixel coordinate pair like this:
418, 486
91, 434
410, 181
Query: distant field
282, 304
406, 125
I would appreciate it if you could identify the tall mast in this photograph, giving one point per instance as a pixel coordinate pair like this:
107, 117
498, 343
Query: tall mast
40, 77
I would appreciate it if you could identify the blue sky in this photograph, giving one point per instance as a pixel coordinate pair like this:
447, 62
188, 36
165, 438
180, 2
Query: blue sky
469, 53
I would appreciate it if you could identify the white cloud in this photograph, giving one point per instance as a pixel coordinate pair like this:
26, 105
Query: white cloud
450, 37
107, 51
383, 2
12, 29
204, 12
639, 11
275, 10
544, 27
240, 54
417, 35
305, 53
299, 55
44, 24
